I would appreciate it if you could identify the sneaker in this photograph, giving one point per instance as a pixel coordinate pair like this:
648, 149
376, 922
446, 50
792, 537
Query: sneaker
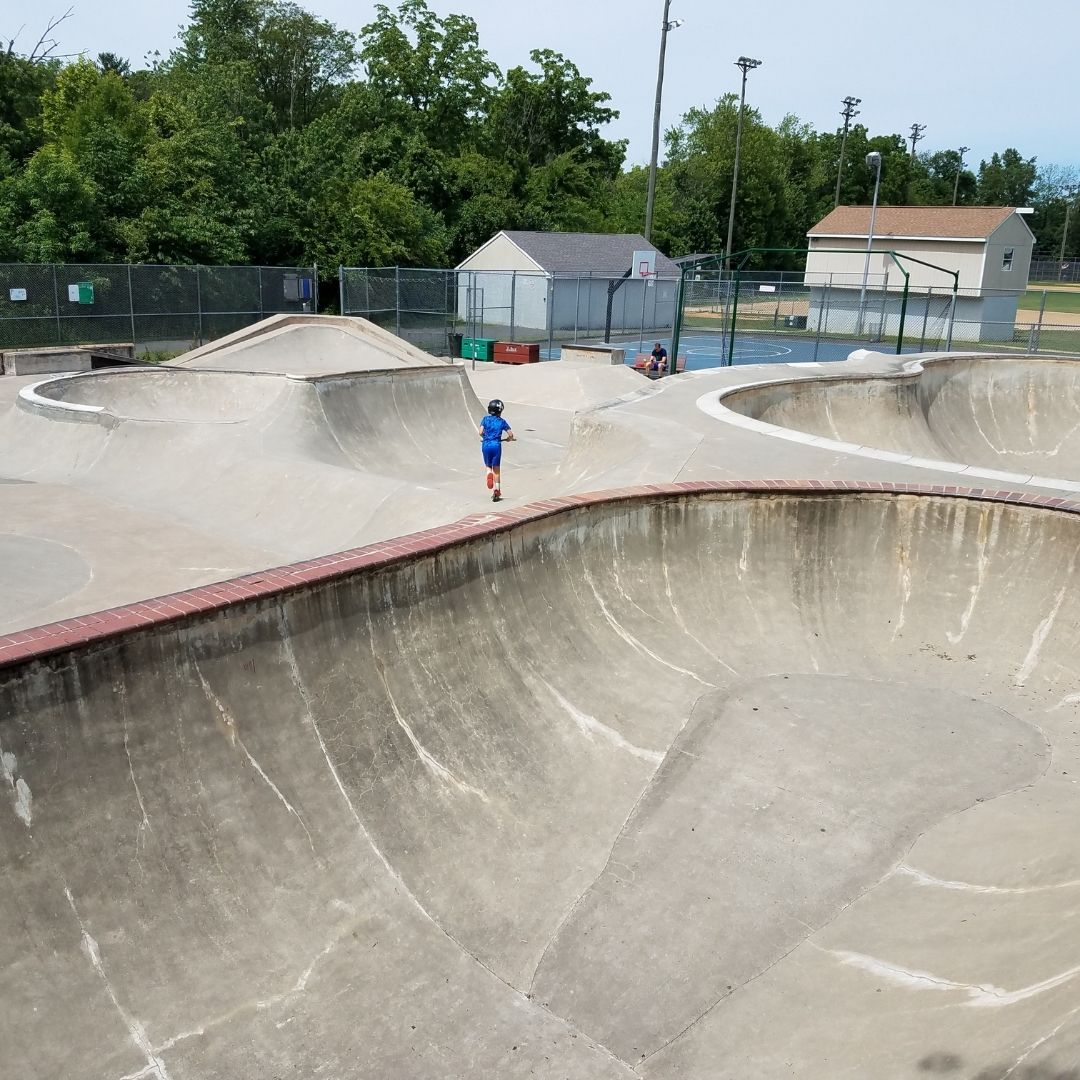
490, 481
497, 496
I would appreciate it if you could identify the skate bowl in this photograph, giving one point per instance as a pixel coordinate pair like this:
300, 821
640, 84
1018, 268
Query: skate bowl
716, 780
991, 417
155, 395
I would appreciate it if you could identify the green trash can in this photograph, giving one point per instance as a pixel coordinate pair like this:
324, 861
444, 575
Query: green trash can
480, 348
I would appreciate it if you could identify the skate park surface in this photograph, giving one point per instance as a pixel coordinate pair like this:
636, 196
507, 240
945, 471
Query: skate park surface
726, 773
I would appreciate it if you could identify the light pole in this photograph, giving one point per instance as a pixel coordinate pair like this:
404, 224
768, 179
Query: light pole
959, 169
873, 161
848, 112
745, 64
650, 199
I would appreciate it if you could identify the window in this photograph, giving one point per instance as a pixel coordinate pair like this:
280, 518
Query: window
1006, 259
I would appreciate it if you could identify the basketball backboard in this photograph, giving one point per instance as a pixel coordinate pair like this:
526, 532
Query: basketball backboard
644, 264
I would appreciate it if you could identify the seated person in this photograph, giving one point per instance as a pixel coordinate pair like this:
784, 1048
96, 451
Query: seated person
658, 359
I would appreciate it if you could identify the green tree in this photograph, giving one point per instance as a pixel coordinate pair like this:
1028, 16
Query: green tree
296, 62
430, 72
1007, 179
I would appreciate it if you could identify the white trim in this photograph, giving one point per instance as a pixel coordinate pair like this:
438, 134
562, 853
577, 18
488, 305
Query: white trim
29, 396
900, 236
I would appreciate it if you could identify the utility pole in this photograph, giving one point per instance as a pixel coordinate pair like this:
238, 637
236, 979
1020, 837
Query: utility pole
959, 169
915, 136
650, 199
744, 64
1065, 232
848, 112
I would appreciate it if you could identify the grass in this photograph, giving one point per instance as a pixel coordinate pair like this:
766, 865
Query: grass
1055, 301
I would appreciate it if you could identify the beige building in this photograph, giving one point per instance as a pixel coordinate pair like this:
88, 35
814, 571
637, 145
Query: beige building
988, 246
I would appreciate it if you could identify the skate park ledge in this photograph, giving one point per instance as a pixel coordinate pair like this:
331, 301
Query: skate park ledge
38, 643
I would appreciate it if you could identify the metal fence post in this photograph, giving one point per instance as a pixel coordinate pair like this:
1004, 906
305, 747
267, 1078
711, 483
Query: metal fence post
56, 305
1038, 328
198, 301
262, 306
550, 305
397, 300
820, 316
131, 307
513, 301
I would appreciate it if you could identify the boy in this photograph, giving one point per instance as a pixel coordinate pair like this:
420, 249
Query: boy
494, 431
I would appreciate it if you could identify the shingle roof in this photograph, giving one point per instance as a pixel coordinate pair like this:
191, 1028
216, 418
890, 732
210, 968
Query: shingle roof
570, 252
925, 222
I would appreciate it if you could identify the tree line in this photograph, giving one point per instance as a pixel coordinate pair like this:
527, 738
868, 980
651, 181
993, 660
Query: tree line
272, 136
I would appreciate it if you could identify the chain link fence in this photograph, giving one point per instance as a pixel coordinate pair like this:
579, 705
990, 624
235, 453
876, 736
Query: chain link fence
827, 319
156, 308
437, 310
1064, 271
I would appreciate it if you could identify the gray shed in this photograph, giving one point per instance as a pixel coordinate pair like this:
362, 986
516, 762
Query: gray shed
559, 281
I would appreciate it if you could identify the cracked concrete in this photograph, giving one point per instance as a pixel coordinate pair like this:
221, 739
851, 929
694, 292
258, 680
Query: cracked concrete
854, 814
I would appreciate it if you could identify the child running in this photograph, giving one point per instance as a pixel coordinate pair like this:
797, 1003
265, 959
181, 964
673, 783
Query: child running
494, 431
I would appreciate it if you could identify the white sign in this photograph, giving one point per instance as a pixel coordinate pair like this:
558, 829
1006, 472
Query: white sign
73, 293
766, 288
17, 294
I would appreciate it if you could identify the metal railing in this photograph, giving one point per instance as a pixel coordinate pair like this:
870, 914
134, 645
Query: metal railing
157, 308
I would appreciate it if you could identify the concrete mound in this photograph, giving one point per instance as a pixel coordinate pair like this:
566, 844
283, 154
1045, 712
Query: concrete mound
713, 785
1018, 415
307, 345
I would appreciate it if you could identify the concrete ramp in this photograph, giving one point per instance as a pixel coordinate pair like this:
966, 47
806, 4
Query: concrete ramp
1019, 415
307, 345
705, 782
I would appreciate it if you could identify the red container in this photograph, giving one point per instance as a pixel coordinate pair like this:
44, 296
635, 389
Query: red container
512, 352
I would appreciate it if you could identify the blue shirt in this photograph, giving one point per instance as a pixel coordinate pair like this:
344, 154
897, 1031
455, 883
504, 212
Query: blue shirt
493, 427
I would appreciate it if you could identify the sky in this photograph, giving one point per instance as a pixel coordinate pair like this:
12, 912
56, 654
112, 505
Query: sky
987, 74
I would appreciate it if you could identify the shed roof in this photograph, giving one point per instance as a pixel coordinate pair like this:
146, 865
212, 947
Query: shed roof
923, 222
572, 252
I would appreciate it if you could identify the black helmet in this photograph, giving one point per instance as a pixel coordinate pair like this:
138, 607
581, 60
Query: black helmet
495, 407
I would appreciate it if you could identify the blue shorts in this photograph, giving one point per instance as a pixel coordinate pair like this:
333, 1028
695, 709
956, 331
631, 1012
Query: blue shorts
492, 452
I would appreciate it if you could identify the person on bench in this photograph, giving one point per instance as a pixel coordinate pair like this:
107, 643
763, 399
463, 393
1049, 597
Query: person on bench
658, 360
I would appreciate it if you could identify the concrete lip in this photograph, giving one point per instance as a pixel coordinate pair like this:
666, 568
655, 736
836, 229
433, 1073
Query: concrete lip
702, 780
935, 413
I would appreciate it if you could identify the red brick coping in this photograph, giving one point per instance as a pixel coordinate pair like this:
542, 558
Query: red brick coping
41, 641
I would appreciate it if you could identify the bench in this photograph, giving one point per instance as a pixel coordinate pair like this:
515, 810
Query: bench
644, 359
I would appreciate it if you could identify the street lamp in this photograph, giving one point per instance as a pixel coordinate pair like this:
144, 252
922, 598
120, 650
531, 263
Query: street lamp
745, 64
959, 169
666, 26
873, 161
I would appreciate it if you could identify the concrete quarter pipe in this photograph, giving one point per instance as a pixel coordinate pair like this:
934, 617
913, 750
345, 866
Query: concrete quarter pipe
708, 781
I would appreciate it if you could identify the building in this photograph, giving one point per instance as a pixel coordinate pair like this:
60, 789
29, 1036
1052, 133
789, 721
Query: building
557, 281
989, 246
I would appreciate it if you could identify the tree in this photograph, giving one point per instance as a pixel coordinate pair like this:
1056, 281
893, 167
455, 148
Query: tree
430, 72
1006, 180
296, 61
537, 117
